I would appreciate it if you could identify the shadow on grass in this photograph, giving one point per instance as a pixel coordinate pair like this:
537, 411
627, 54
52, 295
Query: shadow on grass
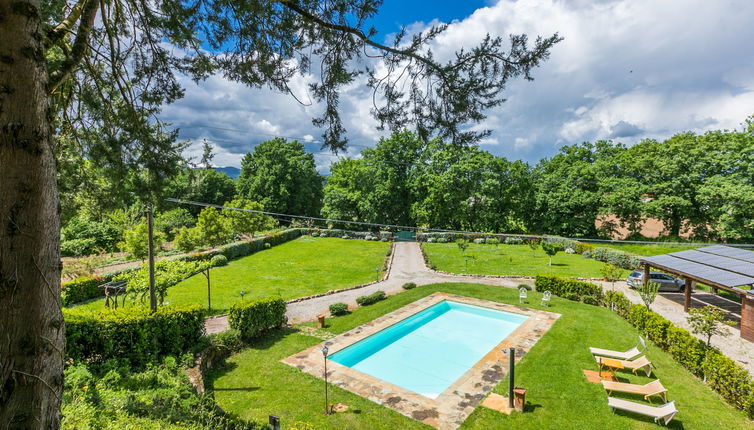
262, 343
675, 424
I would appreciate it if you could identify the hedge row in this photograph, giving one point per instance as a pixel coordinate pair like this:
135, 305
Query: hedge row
81, 289
371, 298
385, 236
732, 381
615, 257
133, 334
568, 288
255, 317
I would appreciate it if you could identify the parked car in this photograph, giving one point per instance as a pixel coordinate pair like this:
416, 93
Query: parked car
667, 282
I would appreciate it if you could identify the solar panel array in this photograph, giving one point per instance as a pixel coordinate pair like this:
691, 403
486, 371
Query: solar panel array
723, 265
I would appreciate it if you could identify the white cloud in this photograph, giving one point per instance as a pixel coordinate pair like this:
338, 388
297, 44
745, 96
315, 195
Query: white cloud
626, 69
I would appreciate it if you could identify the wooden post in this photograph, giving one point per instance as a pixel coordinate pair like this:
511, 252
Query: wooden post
713, 289
150, 241
687, 295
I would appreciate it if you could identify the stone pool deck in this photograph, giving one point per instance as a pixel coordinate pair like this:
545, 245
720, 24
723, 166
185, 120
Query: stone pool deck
451, 408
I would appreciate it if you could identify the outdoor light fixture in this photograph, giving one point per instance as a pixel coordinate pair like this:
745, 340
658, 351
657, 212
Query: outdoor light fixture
511, 373
274, 422
324, 354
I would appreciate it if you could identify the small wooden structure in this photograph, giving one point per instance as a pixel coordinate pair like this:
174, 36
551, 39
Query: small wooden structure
720, 267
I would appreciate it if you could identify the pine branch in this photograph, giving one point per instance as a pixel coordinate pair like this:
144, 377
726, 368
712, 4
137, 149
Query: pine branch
79, 48
55, 34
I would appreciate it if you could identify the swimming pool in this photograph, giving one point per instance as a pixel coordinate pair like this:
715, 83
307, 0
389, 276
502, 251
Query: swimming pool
428, 351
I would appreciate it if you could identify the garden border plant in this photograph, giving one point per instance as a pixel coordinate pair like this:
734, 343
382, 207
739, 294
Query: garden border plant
728, 378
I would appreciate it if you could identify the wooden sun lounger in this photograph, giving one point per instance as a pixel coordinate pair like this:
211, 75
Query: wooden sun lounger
641, 363
621, 355
663, 413
654, 388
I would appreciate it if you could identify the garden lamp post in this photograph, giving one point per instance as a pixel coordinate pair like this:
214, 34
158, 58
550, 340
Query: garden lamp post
327, 404
511, 373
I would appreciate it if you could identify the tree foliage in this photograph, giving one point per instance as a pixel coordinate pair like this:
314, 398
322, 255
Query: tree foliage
648, 293
283, 177
248, 223
136, 241
708, 321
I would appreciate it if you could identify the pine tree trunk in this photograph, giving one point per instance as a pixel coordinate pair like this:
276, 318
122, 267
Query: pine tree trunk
31, 325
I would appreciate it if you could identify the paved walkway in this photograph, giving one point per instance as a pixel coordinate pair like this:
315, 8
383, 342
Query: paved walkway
408, 266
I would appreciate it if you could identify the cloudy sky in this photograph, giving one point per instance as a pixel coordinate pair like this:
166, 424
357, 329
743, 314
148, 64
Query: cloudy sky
626, 70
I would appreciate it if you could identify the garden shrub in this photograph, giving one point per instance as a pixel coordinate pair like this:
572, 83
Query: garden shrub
618, 302
255, 317
77, 247
563, 286
236, 250
524, 286
513, 240
616, 258
113, 396
571, 296
338, 309
267, 245
409, 285
590, 300
479, 241
442, 240
219, 260
582, 247
132, 333
371, 298
492, 241
81, 289
586, 254
230, 339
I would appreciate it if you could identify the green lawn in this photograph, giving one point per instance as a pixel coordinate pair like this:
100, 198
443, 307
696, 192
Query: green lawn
255, 384
647, 250
509, 260
298, 268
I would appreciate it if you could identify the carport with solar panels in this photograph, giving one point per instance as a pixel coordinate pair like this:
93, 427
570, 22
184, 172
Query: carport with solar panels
720, 267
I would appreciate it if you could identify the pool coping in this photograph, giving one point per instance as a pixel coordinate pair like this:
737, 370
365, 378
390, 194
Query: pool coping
451, 408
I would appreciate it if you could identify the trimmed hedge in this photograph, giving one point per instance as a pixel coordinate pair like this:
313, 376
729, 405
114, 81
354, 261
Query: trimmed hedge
409, 285
564, 287
81, 289
255, 317
731, 380
219, 260
371, 298
132, 333
338, 309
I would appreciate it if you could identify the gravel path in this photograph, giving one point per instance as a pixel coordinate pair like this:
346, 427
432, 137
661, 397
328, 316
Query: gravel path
733, 346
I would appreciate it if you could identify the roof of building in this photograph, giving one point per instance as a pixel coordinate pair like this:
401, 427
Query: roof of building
718, 265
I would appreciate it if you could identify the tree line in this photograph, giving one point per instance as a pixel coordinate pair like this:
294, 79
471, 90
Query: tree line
699, 185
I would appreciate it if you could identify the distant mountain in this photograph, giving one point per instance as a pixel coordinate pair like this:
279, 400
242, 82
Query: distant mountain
231, 171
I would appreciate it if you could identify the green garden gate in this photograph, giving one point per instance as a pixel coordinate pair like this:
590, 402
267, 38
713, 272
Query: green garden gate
405, 236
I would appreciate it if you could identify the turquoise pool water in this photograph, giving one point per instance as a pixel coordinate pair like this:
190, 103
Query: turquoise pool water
428, 351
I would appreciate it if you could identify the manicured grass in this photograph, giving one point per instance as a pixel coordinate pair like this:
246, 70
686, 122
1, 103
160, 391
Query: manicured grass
255, 383
646, 250
298, 268
509, 260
